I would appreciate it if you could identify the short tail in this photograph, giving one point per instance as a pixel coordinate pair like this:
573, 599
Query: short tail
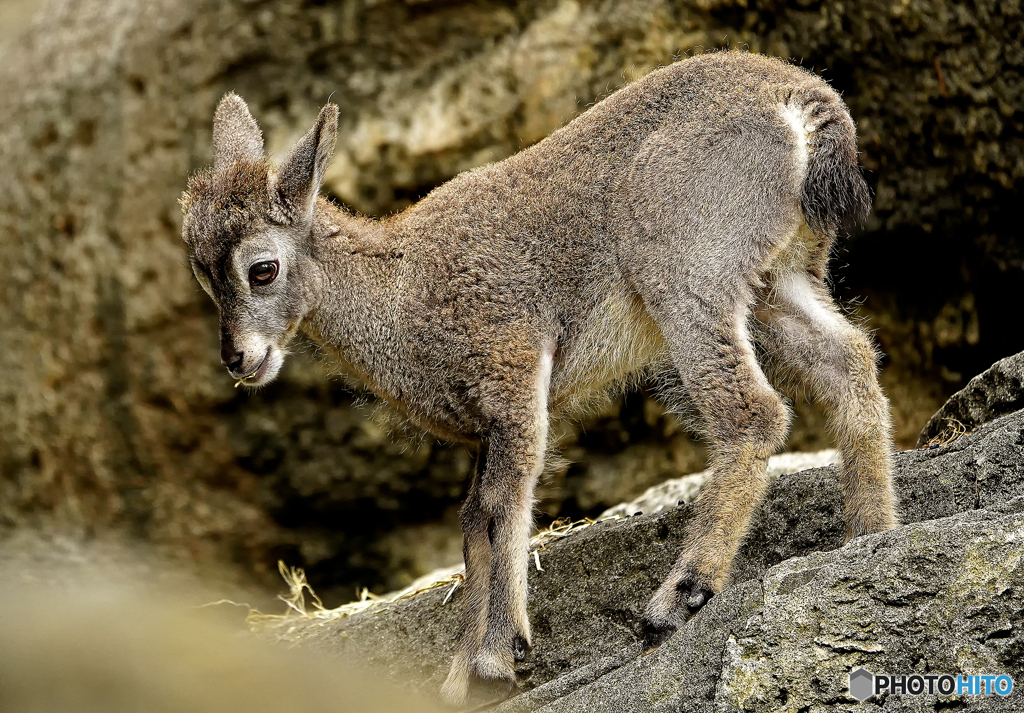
834, 196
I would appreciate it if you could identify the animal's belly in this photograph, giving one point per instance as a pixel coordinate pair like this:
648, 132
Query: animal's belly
616, 343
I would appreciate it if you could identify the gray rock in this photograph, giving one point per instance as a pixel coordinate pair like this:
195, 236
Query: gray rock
943, 593
997, 391
686, 489
942, 596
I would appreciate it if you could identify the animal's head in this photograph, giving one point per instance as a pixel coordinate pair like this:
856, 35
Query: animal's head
247, 225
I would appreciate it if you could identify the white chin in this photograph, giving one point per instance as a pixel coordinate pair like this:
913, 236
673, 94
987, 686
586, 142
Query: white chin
268, 370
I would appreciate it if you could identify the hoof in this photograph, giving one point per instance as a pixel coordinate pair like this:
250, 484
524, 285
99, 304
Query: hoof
485, 678
699, 596
654, 635
485, 691
475, 691
665, 614
456, 686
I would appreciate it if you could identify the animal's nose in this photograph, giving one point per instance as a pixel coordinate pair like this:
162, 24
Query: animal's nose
230, 358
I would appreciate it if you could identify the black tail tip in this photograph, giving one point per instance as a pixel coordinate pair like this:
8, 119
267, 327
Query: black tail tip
835, 195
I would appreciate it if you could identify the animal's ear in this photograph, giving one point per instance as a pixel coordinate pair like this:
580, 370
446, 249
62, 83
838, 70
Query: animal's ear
298, 181
236, 135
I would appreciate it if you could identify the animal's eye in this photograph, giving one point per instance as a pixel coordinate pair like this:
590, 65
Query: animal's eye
263, 273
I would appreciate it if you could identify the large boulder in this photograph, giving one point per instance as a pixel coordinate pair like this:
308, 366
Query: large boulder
942, 593
115, 416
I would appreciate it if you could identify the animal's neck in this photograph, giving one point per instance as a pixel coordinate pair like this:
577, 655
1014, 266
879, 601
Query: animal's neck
356, 265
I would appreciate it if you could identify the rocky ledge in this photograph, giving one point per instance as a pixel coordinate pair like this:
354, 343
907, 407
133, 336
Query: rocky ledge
997, 391
944, 593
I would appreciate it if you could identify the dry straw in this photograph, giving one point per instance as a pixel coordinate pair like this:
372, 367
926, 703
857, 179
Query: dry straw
299, 610
951, 431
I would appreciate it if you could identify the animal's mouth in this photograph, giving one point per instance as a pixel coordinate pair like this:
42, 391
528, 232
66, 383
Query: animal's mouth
257, 374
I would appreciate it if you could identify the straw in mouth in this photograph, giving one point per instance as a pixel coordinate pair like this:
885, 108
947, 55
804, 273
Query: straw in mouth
253, 373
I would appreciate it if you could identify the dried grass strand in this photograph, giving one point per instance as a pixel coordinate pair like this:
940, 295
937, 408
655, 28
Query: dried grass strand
951, 431
298, 609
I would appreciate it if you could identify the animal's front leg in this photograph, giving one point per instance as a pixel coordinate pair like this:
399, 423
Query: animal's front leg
508, 495
496, 521
476, 551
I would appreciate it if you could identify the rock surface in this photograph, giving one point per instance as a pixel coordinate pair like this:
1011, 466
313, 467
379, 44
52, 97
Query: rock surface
942, 593
995, 392
104, 636
686, 489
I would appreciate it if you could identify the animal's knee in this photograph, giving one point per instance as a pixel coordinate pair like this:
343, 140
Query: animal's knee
771, 417
858, 353
844, 379
509, 505
738, 402
853, 389
470, 516
759, 420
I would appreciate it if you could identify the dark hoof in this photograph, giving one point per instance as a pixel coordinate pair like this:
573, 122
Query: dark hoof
690, 599
520, 648
654, 635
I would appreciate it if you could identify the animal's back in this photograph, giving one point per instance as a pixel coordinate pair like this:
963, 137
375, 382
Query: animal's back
564, 200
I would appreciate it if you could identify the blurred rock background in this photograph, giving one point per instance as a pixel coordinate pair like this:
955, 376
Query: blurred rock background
116, 419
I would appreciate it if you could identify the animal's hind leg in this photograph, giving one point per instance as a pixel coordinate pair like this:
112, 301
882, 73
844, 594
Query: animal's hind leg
701, 221
806, 338
745, 421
